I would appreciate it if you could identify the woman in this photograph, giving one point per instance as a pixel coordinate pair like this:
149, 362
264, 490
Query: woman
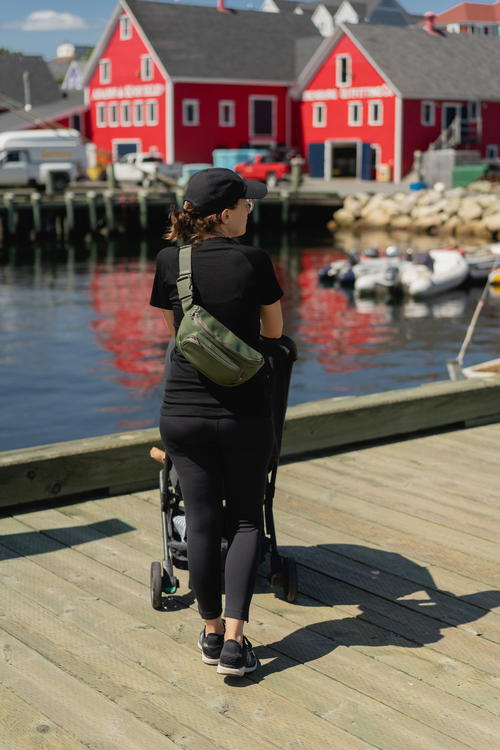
220, 439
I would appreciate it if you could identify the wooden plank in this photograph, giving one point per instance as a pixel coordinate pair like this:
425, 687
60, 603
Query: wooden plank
352, 500
402, 541
66, 701
22, 727
468, 683
111, 461
268, 715
376, 721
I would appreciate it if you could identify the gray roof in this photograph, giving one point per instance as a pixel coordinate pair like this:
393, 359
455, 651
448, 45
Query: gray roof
423, 66
194, 41
43, 86
44, 114
59, 67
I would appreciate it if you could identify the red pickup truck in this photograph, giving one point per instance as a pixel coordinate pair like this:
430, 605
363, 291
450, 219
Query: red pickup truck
265, 168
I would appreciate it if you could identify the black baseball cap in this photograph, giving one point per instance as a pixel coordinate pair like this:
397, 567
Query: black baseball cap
214, 189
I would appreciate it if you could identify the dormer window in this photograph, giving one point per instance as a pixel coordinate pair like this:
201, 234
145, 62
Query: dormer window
343, 70
105, 71
146, 68
125, 28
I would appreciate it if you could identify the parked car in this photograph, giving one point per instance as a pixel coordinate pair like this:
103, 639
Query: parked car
188, 170
143, 169
269, 168
35, 157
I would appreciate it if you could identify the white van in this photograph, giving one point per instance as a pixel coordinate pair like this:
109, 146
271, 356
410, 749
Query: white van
28, 156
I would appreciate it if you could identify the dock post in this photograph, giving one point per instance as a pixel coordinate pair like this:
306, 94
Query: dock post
37, 212
179, 195
8, 200
109, 210
70, 212
256, 213
142, 198
91, 201
49, 187
285, 206
110, 176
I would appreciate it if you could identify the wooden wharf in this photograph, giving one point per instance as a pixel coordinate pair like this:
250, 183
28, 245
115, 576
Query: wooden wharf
391, 644
93, 209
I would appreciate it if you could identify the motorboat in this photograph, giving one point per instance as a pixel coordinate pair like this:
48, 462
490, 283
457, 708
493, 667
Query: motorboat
437, 272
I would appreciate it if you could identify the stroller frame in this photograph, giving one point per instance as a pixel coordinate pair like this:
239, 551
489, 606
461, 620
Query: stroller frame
280, 355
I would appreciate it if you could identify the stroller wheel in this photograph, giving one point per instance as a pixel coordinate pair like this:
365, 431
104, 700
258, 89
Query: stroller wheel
155, 585
290, 582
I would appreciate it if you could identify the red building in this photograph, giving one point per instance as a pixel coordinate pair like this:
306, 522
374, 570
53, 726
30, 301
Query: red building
182, 80
471, 18
375, 94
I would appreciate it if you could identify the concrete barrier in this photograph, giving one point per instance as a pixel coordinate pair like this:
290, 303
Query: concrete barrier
120, 462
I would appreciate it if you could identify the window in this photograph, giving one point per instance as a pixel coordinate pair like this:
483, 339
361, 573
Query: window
138, 113
262, 117
105, 71
319, 115
343, 70
427, 113
190, 112
146, 68
113, 114
101, 115
355, 114
125, 108
152, 112
473, 110
492, 151
226, 113
13, 156
375, 113
125, 28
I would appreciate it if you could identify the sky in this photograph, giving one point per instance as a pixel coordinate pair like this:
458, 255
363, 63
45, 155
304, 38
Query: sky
37, 27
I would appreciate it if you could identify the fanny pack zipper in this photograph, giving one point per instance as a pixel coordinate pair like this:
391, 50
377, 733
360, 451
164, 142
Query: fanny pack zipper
195, 314
213, 352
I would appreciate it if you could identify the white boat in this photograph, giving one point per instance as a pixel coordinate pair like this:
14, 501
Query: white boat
482, 261
483, 370
446, 270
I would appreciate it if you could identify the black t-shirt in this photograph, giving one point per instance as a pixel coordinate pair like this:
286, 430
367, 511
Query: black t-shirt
231, 281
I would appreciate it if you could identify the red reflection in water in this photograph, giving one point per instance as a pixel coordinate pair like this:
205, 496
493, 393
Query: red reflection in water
330, 322
129, 326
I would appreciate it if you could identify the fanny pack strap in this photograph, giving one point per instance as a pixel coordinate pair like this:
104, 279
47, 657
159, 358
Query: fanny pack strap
184, 280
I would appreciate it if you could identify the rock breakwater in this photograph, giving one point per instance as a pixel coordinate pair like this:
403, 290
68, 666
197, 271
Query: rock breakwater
460, 212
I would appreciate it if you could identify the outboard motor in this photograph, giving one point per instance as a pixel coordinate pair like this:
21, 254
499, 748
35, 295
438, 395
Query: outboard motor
371, 252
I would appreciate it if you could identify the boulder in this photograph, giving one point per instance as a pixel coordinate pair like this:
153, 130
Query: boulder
469, 209
403, 221
354, 203
429, 197
492, 222
494, 208
343, 217
431, 221
450, 225
377, 218
372, 204
486, 201
457, 192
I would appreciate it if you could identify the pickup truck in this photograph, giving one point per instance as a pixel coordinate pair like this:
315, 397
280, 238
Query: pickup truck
144, 169
266, 168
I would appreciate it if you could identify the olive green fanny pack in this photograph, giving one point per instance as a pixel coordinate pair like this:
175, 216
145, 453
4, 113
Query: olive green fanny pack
204, 341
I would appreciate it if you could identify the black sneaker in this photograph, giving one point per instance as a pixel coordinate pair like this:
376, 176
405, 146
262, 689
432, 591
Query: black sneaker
237, 658
210, 646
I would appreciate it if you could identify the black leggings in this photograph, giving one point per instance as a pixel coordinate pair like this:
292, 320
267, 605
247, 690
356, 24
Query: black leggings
220, 459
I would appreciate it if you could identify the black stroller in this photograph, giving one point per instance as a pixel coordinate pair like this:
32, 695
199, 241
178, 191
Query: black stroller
280, 354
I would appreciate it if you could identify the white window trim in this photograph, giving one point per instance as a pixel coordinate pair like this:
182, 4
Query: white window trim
151, 120
111, 123
232, 121
350, 110
371, 119
144, 58
104, 64
432, 120
316, 121
338, 68
125, 36
195, 103
124, 122
259, 136
494, 151
138, 121
101, 108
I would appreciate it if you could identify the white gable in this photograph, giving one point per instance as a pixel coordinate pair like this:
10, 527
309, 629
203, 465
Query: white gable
269, 6
346, 14
323, 20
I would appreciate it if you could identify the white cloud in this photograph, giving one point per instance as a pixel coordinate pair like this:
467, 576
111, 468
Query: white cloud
47, 20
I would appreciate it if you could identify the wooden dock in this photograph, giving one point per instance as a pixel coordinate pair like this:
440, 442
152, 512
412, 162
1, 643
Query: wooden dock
392, 644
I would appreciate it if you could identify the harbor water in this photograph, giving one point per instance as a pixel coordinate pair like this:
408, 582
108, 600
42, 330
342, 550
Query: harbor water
81, 351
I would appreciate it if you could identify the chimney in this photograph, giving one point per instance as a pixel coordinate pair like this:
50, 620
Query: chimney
27, 91
429, 25
221, 7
